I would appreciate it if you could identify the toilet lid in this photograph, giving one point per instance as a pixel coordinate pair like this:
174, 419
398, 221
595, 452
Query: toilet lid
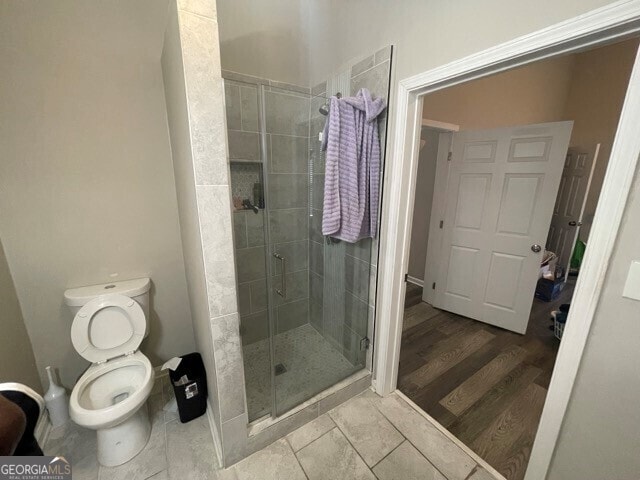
108, 326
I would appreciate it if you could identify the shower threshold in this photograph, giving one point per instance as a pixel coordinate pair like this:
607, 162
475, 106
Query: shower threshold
317, 405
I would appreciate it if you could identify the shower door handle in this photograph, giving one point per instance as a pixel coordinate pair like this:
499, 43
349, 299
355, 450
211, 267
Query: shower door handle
282, 291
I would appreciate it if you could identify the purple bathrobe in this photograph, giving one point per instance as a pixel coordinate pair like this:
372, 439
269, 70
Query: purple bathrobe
352, 174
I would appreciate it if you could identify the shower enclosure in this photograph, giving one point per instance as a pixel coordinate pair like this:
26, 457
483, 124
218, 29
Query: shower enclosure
305, 300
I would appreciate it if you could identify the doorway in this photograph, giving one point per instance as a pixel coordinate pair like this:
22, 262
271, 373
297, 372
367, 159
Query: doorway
478, 348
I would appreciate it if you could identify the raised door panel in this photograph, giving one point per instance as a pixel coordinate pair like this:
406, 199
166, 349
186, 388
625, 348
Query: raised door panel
473, 190
573, 203
480, 152
561, 195
461, 267
505, 272
520, 196
534, 149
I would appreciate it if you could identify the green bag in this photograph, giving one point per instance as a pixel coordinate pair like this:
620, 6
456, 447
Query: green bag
578, 254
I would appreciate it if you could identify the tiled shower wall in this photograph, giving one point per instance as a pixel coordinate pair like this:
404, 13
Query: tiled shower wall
193, 92
286, 125
345, 329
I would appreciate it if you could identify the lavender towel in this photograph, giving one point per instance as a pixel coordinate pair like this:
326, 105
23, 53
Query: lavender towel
352, 174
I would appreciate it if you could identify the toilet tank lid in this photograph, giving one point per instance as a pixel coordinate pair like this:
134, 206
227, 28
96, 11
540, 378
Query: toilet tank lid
76, 297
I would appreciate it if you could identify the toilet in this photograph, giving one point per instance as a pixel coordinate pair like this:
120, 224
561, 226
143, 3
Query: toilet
110, 397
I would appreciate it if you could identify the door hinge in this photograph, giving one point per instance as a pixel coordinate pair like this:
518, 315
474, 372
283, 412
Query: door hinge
441, 223
365, 343
406, 277
433, 286
449, 155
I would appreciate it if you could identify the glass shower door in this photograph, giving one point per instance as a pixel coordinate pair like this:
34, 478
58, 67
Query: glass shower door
318, 290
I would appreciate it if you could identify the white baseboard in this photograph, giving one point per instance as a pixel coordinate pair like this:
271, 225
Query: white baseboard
415, 281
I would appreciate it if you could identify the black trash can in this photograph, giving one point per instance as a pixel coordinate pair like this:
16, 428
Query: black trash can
189, 382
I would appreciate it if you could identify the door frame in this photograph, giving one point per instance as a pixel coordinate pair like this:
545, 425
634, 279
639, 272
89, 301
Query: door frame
438, 207
613, 22
441, 158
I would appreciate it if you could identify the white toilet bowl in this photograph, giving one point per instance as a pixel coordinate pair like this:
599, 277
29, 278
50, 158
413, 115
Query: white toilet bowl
111, 395
111, 398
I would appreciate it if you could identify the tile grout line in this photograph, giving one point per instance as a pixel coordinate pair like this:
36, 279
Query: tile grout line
397, 447
353, 77
477, 459
200, 15
295, 454
410, 442
472, 472
240, 98
258, 132
349, 441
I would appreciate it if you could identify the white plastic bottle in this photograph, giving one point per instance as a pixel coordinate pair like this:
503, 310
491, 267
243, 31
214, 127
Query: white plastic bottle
57, 402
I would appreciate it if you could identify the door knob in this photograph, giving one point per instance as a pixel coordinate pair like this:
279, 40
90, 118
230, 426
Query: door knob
573, 223
536, 248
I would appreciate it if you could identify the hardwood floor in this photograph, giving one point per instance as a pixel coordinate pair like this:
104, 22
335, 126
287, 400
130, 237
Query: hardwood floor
486, 385
413, 295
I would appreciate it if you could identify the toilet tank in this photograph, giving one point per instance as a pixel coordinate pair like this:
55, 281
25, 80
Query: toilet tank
137, 289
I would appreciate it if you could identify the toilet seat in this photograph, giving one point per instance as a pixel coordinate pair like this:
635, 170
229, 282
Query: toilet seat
87, 404
107, 327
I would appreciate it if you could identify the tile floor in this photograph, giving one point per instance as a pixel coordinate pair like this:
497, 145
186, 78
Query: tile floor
312, 364
368, 437
173, 449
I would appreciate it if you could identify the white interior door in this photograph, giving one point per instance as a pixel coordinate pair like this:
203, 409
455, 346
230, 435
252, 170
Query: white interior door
571, 200
499, 195
434, 241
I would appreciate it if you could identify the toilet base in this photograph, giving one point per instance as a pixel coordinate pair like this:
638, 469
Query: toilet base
119, 444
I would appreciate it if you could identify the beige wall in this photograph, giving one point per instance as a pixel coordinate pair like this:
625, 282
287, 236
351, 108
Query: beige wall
594, 102
17, 363
86, 180
599, 437
178, 120
587, 88
339, 31
533, 94
536, 93
300, 42
265, 39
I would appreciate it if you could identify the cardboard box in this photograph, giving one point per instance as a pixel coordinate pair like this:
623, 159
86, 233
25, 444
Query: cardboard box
548, 290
